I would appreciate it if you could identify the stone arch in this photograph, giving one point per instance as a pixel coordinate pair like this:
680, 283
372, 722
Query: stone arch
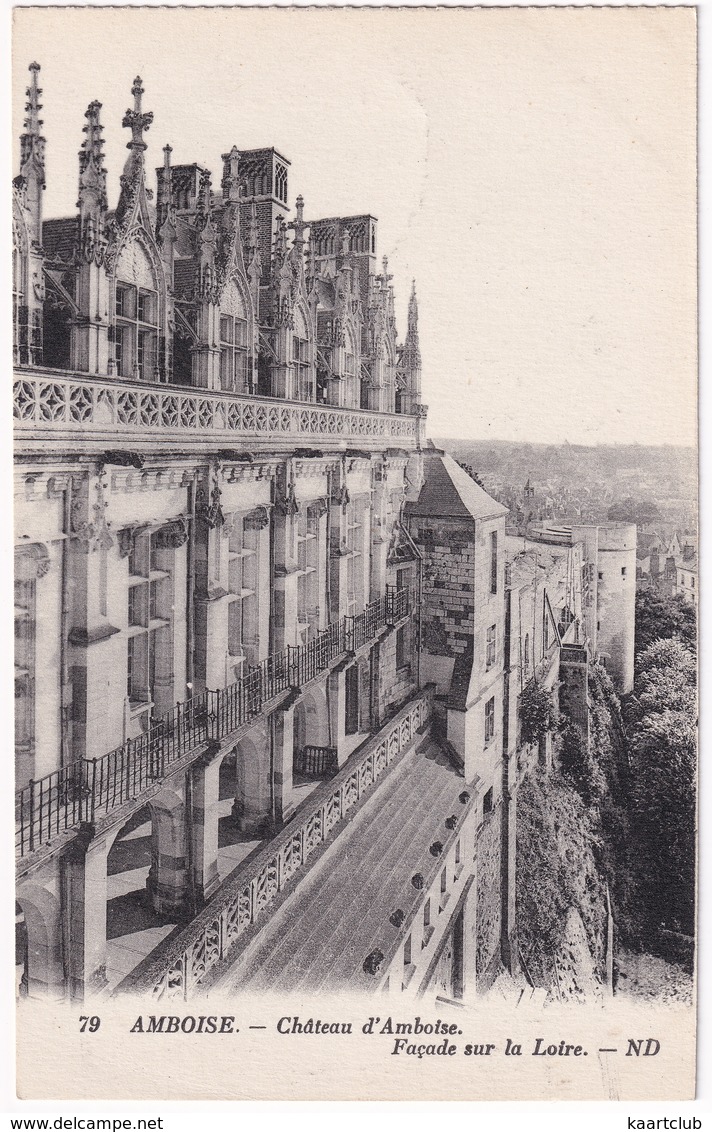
251, 782
139, 297
235, 298
302, 322
311, 720
136, 264
162, 856
44, 971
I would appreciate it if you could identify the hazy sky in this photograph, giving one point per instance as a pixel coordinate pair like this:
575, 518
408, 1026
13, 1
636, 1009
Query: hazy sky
533, 169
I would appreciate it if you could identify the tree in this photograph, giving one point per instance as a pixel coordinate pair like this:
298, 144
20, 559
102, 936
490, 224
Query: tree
536, 712
638, 511
659, 616
664, 751
668, 654
662, 724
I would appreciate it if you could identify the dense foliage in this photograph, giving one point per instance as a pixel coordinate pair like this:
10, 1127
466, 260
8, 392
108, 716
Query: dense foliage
658, 616
618, 810
638, 511
662, 730
556, 865
598, 771
536, 712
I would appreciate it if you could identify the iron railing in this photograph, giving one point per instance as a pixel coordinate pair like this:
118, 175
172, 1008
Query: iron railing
316, 762
91, 788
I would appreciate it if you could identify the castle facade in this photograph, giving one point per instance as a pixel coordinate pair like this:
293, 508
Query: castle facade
266, 644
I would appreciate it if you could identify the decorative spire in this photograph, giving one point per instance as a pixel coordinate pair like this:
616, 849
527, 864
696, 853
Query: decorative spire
132, 179
253, 235
230, 183
92, 174
384, 278
310, 265
253, 260
206, 275
298, 226
32, 143
413, 314
31, 181
92, 203
411, 347
204, 203
280, 242
33, 125
164, 199
135, 120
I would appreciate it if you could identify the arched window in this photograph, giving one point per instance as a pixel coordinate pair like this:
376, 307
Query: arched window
235, 372
281, 183
136, 315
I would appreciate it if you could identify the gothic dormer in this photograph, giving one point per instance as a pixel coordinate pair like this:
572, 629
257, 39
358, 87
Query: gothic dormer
140, 302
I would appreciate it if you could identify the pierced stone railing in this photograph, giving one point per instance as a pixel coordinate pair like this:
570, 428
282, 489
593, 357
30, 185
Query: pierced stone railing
56, 403
184, 963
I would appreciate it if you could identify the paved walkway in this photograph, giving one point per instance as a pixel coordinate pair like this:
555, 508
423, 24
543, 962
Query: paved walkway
342, 912
132, 927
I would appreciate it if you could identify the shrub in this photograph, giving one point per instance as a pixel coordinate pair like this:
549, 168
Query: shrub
537, 712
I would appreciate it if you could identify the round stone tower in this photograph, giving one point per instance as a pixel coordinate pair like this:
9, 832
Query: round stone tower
615, 614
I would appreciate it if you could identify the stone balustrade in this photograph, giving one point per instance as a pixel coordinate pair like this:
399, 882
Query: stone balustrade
179, 968
55, 404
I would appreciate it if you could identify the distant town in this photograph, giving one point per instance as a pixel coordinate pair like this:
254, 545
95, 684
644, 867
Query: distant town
653, 486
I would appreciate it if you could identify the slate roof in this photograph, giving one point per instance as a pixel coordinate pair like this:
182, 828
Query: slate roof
58, 239
449, 492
